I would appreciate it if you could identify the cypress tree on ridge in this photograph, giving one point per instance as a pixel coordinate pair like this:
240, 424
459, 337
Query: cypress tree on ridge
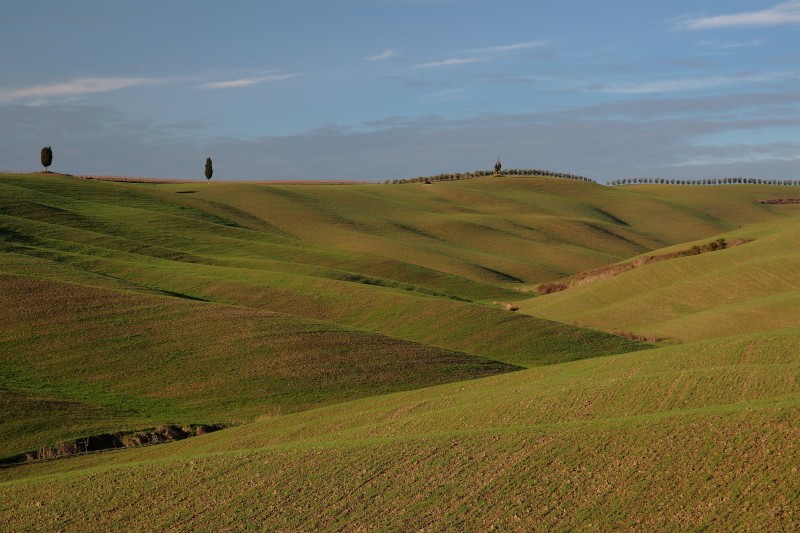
209, 168
47, 157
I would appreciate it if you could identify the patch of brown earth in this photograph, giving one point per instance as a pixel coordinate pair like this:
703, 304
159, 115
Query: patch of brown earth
108, 441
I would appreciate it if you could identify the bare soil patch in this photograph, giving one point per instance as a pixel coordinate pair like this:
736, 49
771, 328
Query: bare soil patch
109, 441
780, 201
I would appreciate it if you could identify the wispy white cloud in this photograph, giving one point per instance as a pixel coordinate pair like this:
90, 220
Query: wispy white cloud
445, 95
691, 84
382, 56
245, 82
507, 47
39, 94
719, 45
779, 14
448, 62
482, 54
77, 87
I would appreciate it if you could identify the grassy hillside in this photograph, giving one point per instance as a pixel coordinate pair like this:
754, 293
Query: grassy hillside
681, 437
473, 239
495, 230
345, 327
126, 307
750, 288
112, 360
142, 238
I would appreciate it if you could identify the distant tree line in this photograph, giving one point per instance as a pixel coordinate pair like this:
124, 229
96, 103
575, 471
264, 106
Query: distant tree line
706, 181
487, 173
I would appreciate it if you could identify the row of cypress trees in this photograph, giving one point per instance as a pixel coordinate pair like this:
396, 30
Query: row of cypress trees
485, 173
706, 181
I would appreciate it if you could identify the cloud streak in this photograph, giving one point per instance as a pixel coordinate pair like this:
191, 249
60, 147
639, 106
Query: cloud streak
382, 56
449, 62
777, 15
691, 84
96, 85
733, 45
77, 87
482, 54
507, 48
445, 95
246, 82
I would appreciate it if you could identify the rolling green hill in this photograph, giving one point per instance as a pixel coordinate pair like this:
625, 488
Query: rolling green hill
133, 307
113, 360
357, 335
749, 288
701, 436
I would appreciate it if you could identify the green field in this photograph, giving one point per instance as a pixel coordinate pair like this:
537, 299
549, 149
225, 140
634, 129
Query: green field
358, 339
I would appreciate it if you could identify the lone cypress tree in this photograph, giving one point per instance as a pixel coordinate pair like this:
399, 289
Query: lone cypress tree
497, 166
47, 157
209, 168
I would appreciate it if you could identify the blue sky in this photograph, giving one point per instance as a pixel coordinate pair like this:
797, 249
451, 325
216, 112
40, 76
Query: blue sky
383, 89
